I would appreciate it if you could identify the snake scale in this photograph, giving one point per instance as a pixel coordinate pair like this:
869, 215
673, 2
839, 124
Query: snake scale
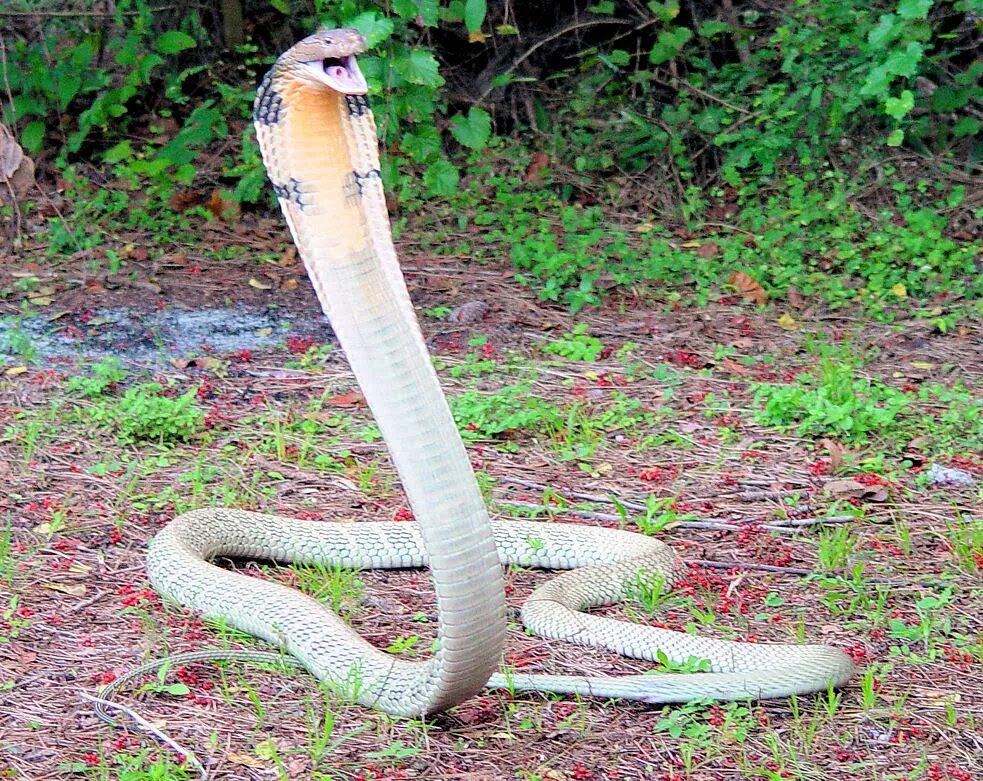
319, 144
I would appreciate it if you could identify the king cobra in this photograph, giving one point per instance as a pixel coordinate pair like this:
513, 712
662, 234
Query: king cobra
319, 145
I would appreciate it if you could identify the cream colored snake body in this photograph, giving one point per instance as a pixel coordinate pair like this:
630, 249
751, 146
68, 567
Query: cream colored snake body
319, 145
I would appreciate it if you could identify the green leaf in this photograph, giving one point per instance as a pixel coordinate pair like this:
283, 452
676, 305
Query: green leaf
713, 28
915, 9
419, 67
422, 144
32, 137
884, 32
949, 98
898, 107
964, 128
404, 9
177, 689
174, 41
877, 82
426, 10
283, 6
374, 26
68, 87
669, 44
474, 14
896, 137
120, 151
474, 130
441, 178
905, 63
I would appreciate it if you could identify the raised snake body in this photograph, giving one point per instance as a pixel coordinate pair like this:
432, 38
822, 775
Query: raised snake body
319, 145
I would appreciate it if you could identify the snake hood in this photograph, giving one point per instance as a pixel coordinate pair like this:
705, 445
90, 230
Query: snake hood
326, 58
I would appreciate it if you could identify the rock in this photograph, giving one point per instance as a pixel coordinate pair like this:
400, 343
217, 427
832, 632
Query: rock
944, 475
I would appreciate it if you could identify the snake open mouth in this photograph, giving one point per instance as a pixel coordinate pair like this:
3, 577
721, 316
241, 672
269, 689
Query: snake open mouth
343, 75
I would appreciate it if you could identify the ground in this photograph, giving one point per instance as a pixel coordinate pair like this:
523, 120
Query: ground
719, 428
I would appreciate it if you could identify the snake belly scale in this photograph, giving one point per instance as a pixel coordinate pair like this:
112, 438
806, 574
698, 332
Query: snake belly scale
319, 145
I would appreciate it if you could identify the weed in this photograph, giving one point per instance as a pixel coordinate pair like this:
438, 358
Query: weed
577, 345
836, 403
513, 408
107, 375
146, 414
6, 553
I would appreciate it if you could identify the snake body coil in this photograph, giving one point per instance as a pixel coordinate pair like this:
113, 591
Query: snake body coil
319, 146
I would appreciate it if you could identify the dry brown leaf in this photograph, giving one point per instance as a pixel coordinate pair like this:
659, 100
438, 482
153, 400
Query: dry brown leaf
748, 288
253, 282
290, 283
247, 760
836, 452
708, 250
11, 154
795, 299
72, 589
350, 399
735, 368
539, 163
222, 208
851, 489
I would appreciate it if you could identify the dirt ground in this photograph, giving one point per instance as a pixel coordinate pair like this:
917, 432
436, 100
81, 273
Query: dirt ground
80, 506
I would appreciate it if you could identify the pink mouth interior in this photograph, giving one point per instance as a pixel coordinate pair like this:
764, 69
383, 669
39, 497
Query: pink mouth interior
344, 75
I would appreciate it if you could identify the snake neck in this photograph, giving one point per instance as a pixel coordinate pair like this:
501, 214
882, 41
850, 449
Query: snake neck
321, 152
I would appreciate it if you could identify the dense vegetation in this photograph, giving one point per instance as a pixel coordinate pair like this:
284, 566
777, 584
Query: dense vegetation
780, 149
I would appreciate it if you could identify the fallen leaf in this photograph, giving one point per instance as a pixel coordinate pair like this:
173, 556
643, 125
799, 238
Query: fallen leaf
899, 290
222, 208
925, 365
265, 331
795, 298
16, 168
539, 163
787, 323
852, 489
206, 362
735, 368
836, 452
13, 371
290, 283
747, 287
708, 250
11, 154
246, 760
253, 282
690, 244
351, 399
289, 257
73, 589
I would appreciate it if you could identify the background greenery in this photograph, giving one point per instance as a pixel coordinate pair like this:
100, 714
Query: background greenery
822, 151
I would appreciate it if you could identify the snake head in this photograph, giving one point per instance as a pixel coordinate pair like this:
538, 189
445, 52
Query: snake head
327, 59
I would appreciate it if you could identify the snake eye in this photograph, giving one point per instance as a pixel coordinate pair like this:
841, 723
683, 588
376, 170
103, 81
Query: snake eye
332, 62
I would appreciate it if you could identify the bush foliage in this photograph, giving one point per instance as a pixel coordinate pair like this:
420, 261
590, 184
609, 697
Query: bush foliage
694, 112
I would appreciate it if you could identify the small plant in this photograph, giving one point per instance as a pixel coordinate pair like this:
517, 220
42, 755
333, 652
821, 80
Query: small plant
107, 374
577, 345
146, 414
837, 403
511, 409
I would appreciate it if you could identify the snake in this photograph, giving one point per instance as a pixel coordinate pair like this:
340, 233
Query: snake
319, 143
